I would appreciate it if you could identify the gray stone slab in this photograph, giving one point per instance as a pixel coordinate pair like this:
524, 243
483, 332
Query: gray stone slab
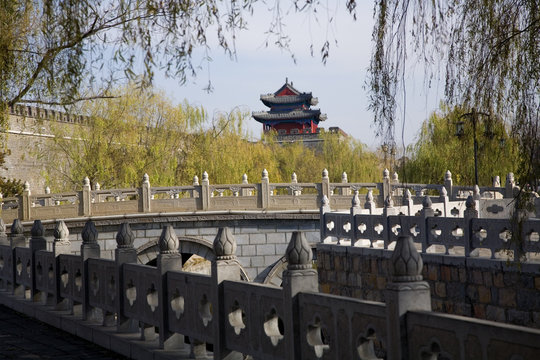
266, 249
257, 238
248, 250
277, 238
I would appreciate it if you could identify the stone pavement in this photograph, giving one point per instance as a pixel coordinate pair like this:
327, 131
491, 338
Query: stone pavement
22, 337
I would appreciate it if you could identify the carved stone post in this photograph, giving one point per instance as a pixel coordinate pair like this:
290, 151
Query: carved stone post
89, 249
16, 236
444, 200
265, 190
325, 207
389, 208
24, 203
370, 204
325, 185
225, 267
408, 202
123, 254
448, 184
355, 209
195, 193
61, 245
386, 185
345, 180
85, 199
406, 291
205, 192
168, 259
509, 186
469, 214
3, 236
427, 211
145, 195
37, 242
299, 277
245, 192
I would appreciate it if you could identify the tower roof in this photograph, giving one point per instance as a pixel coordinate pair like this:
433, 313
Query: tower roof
288, 95
263, 116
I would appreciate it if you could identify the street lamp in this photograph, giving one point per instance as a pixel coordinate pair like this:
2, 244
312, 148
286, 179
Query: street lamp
460, 131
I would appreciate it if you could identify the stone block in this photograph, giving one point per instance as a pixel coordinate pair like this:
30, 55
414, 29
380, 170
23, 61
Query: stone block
370, 281
276, 238
462, 275
498, 280
208, 231
479, 311
433, 272
152, 233
282, 248
192, 232
251, 272
455, 291
266, 249
446, 273
437, 305
519, 317
454, 274
313, 237
342, 278
271, 259
248, 250
476, 277
257, 239
487, 278
381, 282
484, 295
338, 262
356, 267
324, 288
440, 289
511, 278
537, 282
242, 239
507, 298
374, 266
463, 309
245, 262
472, 293
249, 230
257, 261
528, 300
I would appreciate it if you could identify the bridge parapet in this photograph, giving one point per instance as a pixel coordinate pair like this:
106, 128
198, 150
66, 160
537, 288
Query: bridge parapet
263, 196
85, 295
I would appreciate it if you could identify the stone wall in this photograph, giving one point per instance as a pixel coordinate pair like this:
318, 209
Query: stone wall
482, 288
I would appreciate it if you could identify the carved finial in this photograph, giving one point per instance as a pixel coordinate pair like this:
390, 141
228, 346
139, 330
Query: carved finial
344, 177
97, 186
168, 241
61, 232
476, 192
395, 177
448, 175
470, 203
388, 202
443, 191
89, 232
325, 173
17, 227
124, 237
355, 199
265, 174
145, 178
86, 181
244, 179
496, 181
37, 229
406, 262
369, 196
510, 177
325, 201
426, 203
408, 195
298, 253
195, 180
205, 176
2, 227
47, 190
225, 244
294, 179
26, 186
386, 173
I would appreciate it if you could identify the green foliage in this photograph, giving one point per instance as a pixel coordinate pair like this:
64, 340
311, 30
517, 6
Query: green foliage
143, 132
438, 149
10, 187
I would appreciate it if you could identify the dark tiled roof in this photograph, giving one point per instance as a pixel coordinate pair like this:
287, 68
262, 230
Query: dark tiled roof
271, 100
262, 116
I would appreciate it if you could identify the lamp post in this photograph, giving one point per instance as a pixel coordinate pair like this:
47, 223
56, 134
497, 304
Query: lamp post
460, 131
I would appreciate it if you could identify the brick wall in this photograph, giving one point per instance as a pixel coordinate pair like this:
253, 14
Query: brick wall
481, 288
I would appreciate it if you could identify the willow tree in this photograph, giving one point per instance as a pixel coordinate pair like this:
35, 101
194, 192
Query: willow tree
486, 51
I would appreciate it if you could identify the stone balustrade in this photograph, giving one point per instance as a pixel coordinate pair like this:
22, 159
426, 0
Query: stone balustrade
263, 196
469, 235
120, 305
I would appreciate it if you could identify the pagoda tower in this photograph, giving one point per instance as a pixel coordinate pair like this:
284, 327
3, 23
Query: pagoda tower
290, 112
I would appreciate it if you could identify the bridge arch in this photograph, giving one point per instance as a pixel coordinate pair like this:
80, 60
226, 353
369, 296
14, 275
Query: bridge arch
188, 246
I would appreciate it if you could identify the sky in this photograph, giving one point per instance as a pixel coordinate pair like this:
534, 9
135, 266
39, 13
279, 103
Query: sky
340, 85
